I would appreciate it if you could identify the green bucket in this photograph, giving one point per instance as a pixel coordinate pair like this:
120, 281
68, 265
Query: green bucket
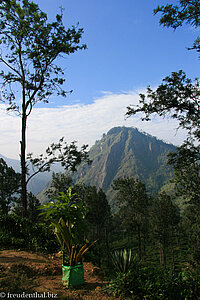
72, 276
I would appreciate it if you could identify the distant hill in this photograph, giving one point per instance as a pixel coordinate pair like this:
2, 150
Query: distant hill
14, 163
124, 152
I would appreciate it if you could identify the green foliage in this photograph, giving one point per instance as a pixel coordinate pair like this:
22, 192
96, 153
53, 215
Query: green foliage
191, 225
164, 214
98, 213
60, 182
70, 210
32, 207
151, 284
22, 233
133, 203
177, 97
176, 15
33, 45
9, 186
165, 217
124, 260
63, 231
68, 218
98, 220
187, 178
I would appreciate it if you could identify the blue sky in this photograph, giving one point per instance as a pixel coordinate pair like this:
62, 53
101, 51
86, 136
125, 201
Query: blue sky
127, 51
127, 48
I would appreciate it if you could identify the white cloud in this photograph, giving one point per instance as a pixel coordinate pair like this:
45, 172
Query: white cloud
81, 122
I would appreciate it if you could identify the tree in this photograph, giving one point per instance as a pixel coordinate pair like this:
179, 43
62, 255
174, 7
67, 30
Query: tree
9, 186
32, 208
187, 180
191, 226
178, 97
98, 217
174, 16
164, 220
30, 47
98, 208
133, 202
60, 183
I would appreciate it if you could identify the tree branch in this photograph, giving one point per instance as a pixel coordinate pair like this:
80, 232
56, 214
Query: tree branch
9, 66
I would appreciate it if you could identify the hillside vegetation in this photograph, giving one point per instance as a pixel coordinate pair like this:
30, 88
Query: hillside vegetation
124, 205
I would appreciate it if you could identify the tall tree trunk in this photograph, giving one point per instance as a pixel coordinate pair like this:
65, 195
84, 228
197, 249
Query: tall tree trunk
164, 255
139, 243
23, 158
107, 247
173, 257
161, 255
99, 246
173, 260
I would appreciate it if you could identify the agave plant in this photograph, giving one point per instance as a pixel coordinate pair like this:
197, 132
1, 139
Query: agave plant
74, 254
124, 260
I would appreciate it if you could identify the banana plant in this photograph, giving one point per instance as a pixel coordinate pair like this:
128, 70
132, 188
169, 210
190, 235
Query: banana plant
124, 260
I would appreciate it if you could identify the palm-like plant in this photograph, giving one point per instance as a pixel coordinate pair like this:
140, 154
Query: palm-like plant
67, 215
68, 209
124, 260
64, 235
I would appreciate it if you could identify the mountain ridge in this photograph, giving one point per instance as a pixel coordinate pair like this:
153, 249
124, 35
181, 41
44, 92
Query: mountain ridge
126, 152
122, 152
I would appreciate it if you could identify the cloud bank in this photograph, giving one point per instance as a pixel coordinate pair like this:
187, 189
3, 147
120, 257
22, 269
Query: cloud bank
84, 123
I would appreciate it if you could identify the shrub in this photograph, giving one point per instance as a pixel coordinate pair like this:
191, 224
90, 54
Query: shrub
22, 233
154, 284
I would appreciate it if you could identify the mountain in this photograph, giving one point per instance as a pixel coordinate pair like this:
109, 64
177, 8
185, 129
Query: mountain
126, 152
122, 152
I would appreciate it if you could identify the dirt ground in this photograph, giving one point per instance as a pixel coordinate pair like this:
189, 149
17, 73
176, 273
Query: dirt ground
46, 276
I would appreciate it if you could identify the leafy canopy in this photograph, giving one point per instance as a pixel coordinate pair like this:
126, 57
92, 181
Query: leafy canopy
30, 46
176, 15
177, 97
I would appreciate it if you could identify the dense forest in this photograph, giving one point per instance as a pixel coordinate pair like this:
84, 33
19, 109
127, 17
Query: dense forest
148, 239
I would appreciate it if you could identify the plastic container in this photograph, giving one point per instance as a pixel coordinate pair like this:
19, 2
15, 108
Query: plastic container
73, 276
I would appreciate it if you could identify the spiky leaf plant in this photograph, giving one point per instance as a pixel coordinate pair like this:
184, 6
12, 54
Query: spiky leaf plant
124, 260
